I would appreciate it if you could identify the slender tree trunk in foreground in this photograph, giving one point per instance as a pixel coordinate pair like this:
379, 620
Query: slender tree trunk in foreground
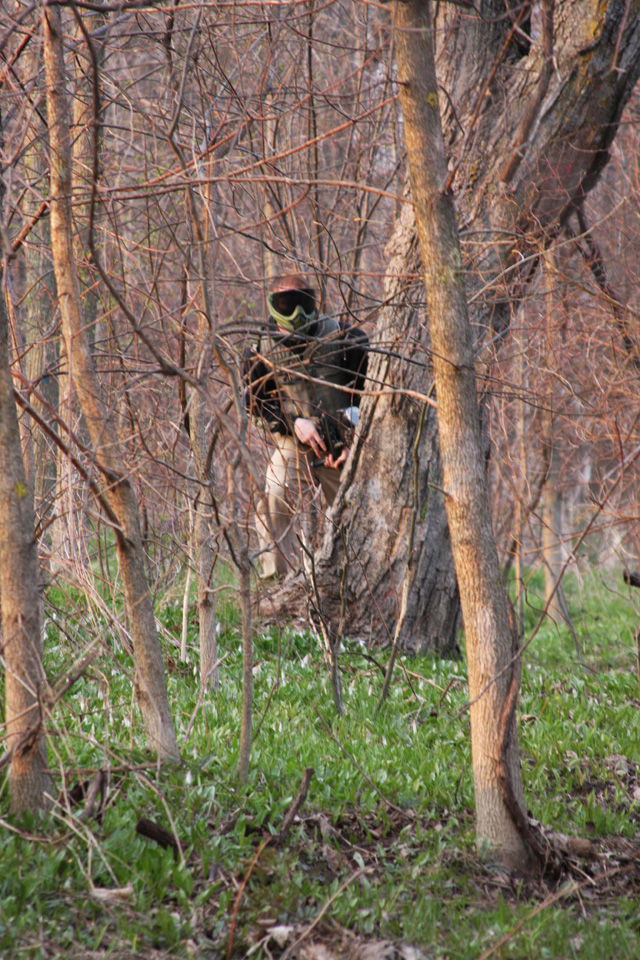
553, 559
484, 604
203, 554
21, 646
150, 678
200, 441
200, 438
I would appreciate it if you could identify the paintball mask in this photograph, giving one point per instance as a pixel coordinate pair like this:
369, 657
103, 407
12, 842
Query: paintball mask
292, 304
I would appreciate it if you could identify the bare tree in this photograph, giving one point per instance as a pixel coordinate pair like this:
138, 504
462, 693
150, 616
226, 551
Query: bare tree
490, 645
151, 685
22, 647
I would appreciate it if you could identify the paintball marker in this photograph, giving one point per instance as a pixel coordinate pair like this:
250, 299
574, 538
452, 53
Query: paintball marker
337, 432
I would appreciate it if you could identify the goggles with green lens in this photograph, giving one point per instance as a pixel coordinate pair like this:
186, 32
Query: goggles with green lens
293, 309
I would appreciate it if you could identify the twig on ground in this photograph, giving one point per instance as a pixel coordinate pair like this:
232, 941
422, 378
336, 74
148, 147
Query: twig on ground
446, 691
365, 656
292, 812
408, 679
431, 683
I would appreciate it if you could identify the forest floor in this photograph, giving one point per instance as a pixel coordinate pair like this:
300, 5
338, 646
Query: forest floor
380, 861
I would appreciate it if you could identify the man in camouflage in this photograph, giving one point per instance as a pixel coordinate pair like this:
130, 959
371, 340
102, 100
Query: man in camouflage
304, 370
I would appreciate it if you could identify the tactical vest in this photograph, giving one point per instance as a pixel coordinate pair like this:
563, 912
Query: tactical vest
309, 377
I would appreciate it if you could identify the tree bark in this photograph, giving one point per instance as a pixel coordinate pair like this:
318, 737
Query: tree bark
22, 646
66, 531
484, 604
22, 643
516, 184
150, 678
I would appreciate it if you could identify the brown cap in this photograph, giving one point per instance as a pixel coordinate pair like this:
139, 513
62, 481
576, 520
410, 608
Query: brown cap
291, 281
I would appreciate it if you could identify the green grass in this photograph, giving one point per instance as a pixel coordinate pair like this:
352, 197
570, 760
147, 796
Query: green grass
422, 882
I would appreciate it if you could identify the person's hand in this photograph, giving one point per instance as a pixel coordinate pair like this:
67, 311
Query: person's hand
337, 463
307, 432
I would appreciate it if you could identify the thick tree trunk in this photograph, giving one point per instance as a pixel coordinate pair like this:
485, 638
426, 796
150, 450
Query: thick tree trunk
150, 678
527, 145
382, 492
484, 603
392, 476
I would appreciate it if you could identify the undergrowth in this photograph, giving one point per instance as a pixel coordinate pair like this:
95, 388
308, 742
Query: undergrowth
387, 828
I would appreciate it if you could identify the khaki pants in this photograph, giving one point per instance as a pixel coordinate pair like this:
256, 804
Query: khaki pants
289, 491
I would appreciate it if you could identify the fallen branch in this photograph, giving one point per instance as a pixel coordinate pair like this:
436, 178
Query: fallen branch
162, 836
